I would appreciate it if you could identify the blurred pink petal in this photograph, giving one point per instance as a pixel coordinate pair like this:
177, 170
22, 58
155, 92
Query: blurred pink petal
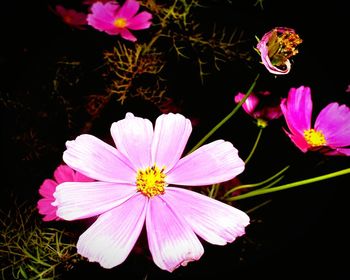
72, 17
257, 106
127, 35
140, 21
102, 16
128, 9
250, 103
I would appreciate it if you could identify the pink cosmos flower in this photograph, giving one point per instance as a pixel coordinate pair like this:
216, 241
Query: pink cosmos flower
71, 17
63, 173
117, 20
331, 132
138, 184
276, 47
258, 109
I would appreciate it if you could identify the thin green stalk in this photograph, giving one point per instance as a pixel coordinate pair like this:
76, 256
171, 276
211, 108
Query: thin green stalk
213, 190
255, 145
273, 183
291, 185
224, 120
154, 39
258, 206
256, 184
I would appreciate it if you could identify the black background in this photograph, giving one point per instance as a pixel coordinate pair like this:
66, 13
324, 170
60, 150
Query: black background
301, 232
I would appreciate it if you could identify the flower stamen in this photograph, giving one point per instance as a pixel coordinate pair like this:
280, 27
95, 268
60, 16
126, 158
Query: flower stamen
314, 137
151, 181
120, 23
282, 46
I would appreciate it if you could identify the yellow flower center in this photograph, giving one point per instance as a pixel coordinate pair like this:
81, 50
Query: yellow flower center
261, 123
120, 22
314, 138
151, 181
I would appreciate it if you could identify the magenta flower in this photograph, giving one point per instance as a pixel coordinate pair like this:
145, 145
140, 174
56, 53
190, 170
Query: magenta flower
63, 173
72, 17
117, 20
261, 109
276, 47
331, 132
137, 186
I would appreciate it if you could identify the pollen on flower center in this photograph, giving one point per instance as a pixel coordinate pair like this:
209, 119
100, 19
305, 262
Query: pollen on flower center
314, 138
120, 22
282, 45
151, 181
289, 42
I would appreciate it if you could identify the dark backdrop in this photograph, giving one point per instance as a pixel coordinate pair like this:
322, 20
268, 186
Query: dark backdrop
300, 232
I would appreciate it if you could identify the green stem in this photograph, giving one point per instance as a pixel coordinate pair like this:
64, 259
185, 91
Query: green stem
224, 120
256, 184
214, 190
291, 185
254, 147
258, 206
154, 39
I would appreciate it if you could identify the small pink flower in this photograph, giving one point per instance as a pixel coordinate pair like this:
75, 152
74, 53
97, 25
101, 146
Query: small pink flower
331, 132
257, 106
276, 47
72, 17
63, 173
117, 20
139, 183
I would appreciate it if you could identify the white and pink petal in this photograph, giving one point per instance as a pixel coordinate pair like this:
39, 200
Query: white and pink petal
171, 240
113, 235
133, 138
98, 160
78, 200
214, 221
171, 134
212, 163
